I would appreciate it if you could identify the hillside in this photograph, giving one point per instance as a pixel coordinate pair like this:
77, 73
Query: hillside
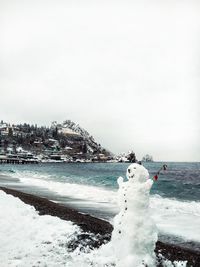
67, 138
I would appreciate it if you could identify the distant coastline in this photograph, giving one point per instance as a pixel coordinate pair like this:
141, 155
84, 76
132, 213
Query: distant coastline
61, 142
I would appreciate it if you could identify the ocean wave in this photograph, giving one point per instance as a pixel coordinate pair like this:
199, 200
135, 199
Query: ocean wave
175, 217
73, 190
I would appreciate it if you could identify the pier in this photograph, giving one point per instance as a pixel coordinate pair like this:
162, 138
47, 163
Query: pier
17, 161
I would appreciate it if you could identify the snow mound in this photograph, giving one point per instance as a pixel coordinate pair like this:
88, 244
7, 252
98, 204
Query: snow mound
28, 239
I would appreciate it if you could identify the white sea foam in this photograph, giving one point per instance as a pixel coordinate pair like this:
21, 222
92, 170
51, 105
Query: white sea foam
176, 217
173, 217
73, 190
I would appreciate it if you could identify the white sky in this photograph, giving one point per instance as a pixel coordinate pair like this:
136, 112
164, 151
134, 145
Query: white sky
126, 71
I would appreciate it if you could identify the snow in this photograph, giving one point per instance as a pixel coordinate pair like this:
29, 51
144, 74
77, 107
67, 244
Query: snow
19, 149
28, 239
167, 263
68, 124
135, 234
68, 131
71, 128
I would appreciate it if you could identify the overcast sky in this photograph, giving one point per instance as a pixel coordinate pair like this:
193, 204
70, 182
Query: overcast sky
126, 71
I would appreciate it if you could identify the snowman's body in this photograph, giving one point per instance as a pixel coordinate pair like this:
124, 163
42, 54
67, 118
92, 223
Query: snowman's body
134, 235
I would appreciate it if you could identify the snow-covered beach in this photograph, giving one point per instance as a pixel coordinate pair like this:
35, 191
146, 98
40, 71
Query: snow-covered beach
78, 203
30, 239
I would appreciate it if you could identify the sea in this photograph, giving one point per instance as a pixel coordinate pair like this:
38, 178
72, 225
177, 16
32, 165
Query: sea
92, 188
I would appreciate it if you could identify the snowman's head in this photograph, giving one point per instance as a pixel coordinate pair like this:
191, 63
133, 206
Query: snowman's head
137, 173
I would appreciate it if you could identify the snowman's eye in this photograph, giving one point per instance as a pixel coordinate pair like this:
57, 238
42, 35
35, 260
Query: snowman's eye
134, 168
129, 170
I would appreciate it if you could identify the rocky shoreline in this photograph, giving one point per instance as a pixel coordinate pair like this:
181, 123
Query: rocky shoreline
97, 231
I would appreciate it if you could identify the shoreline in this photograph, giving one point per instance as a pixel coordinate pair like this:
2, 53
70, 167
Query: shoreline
98, 230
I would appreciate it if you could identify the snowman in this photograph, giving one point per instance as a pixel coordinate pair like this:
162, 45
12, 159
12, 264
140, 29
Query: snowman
134, 235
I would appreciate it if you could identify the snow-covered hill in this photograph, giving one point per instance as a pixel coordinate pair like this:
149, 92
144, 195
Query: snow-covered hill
67, 138
74, 131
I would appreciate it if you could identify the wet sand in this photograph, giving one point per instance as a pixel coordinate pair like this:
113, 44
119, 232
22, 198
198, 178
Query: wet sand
97, 231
